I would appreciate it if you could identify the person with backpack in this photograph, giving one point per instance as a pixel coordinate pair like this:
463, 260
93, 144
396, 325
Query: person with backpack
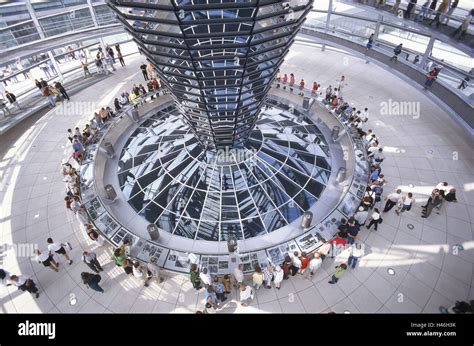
61, 89
396, 52
92, 281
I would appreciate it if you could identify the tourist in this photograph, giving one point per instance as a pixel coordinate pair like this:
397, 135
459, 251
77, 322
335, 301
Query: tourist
257, 277
226, 281
12, 99
440, 13
304, 262
153, 271
120, 58
61, 89
375, 219
267, 276
5, 277
296, 264
92, 281
286, 267
392, 200
338, 243
395, 7
238, 275
301, 88
219, 289
246, 295
436, 201
370, 42
127, 266
90, 259
284, 81
464, 25
431, 77
405, 203
139, 272
205, 277
292, 81
51, 99
315, 88
211, 297
278, 276
340, 270
119, 257
144, 72
125, 246
451, 196
448, 15
361, 216
396, 52
410, 8
46, 259
24, 283
85, 68
315, 264
423, 12
278, 78
59, 248
194, 276
443, 186
352, 231
356, 252
464, 83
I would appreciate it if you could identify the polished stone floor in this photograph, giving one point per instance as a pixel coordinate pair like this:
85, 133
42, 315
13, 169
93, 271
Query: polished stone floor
420, 150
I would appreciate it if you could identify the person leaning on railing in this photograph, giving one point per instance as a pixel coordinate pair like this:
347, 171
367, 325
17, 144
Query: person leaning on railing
464, 25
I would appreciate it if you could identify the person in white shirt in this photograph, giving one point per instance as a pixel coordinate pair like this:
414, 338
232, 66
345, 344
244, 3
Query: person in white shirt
361, 216
315, 264
153, 271
238, 275
46, 259
296, 263
379, 156
405, 203
372, 150
365, 115
392, 200
375, 219
356, 252
443, 186
138, 271
278, 276
205, 277
24, 283
90, 258
246, 294
58, 248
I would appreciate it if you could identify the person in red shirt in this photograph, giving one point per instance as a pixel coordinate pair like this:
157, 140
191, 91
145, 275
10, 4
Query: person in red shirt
301, 88
315, 88
304, 262
334, 101
338, 243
